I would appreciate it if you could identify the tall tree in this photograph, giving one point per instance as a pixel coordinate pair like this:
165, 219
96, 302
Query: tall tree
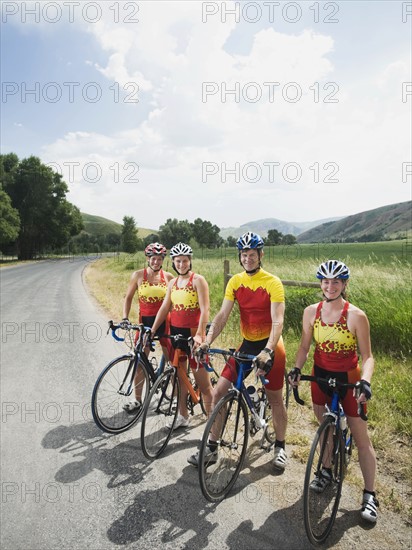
9, 220
48, 220
206, 234
274, 237
174, 231
151, 238
130, 241
289, 239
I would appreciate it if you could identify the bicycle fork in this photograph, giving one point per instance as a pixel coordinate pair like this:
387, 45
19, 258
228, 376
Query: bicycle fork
132, 365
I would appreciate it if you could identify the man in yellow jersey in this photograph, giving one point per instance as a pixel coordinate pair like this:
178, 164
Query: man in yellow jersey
261, 300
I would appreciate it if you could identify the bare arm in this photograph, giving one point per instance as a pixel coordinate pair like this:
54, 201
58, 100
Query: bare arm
277, 312
220, 320
202, 289
131, 289
164, 308
306, 338
358, 324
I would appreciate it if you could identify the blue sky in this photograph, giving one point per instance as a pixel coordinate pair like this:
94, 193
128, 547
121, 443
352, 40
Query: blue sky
130, 105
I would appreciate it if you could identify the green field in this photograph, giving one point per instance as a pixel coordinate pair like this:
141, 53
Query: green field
372, 253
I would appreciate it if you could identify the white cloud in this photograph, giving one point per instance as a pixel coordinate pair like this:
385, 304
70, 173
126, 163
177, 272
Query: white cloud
363, 134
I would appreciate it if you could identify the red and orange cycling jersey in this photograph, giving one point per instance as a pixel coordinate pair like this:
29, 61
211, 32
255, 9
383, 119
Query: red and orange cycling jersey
335, 345
185, 310
151, 295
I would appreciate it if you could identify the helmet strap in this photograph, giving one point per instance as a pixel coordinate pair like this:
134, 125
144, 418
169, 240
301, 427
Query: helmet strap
253, 271
182, 274
154, 270
332, 299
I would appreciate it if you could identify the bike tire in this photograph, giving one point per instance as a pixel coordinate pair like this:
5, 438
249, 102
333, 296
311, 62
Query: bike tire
107, 403
159, 414
217, 479
320, 509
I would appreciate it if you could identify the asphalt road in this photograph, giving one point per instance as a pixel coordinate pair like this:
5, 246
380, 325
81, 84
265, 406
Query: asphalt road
65, 484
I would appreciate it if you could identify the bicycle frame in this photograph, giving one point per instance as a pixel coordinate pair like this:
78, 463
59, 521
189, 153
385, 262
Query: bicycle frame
182, 374
239, 387
331, 449
137, 354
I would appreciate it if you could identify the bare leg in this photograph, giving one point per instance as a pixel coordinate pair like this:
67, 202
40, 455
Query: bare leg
279, 414
203, 381
220, 390
366, 452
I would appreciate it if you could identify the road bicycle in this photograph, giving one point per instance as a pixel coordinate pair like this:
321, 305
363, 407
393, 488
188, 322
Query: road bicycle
240, 413
161, 408
125, 378
331, 448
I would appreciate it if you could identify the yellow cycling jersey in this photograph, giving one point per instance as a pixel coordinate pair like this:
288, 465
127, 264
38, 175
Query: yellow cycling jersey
254, 294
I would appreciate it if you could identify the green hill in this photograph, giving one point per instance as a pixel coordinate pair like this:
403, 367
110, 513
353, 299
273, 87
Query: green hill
384, 223
98, 226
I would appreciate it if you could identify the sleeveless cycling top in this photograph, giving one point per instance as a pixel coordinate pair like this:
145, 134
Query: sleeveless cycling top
185, 312
151, 295
335, 345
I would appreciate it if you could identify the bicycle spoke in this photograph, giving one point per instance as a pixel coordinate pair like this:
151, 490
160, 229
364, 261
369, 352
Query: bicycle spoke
160, 414
231, 423
108, 404
321, 499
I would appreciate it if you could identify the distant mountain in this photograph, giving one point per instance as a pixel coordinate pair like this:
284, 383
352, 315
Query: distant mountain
387, 222
98, 226
262, 227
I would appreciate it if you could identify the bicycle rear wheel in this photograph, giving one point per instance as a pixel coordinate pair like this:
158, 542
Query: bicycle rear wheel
159, 414
115, 388
218, 477
320, 508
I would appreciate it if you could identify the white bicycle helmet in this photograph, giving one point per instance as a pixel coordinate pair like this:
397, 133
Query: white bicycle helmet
333, 269
181, 249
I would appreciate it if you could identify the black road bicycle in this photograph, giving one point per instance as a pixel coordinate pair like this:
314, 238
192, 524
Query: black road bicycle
126, 378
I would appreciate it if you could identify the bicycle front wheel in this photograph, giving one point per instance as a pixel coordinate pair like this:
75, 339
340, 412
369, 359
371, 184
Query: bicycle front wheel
321, 500
114, 389
159, 414
218, 472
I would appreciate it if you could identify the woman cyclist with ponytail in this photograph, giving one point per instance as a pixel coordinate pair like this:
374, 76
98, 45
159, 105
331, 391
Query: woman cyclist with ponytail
338, 329
151, 286
187, 301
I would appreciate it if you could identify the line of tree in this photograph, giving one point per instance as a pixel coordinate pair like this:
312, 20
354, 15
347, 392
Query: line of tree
200, 234
36, 216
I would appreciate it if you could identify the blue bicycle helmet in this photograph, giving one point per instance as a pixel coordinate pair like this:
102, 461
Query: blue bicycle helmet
249, 241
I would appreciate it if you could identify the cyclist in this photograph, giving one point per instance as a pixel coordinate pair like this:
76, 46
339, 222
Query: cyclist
260, 297
339, 329
151, 286
187, 300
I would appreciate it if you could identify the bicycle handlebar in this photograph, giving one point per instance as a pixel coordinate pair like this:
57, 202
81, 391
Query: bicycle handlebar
332, 383
238, 355
145, 331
